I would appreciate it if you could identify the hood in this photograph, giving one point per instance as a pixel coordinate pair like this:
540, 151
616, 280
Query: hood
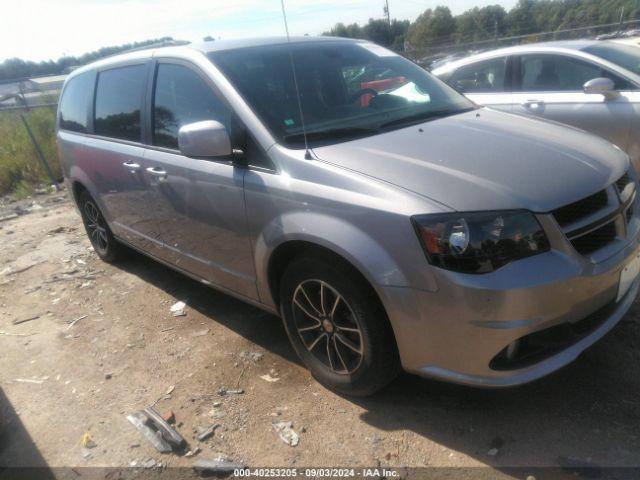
486, 160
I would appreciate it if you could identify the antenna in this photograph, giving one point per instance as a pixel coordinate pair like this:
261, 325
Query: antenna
307, 154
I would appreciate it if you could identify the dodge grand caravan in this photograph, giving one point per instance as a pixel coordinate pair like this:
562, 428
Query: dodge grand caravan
388, 220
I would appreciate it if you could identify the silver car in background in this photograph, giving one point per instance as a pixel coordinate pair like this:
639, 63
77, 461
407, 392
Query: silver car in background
589, 84
389, 220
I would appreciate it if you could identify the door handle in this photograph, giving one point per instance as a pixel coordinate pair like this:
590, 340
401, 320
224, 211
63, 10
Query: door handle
533, 104
131, 165
156, 172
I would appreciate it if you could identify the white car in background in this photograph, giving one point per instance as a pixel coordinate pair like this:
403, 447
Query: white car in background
589, 84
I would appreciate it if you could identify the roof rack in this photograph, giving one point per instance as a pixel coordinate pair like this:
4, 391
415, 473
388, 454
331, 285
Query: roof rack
164, 43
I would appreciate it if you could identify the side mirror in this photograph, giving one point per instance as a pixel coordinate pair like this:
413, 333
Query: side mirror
602, 86
208, 138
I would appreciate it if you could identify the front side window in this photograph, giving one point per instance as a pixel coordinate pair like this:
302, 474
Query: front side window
481, 77
182, 97
74, 104
559, 73
118, 102
347, 89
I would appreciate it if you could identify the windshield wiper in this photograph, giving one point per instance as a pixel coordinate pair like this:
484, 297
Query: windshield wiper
330, 133
418, 117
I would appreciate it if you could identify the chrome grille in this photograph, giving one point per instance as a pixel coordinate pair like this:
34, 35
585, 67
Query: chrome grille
600, 219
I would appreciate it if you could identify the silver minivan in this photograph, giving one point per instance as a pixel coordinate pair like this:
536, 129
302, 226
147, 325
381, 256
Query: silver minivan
391, 222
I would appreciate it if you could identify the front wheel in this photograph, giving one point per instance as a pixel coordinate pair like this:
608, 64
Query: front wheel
337, 326
99, 233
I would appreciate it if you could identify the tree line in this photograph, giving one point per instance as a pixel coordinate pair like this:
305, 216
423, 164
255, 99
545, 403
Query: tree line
438, 26
18, 68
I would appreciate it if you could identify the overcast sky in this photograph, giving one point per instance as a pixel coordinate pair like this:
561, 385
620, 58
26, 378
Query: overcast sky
48, 29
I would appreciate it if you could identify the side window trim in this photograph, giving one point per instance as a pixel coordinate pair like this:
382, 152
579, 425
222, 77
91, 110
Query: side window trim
92, 103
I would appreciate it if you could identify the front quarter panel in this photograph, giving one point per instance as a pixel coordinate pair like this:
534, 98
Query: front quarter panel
365, 221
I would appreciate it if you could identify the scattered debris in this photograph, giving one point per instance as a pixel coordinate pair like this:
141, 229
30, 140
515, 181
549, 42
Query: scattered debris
73, 322
200, 333
207, 432
11, 216
86, 454
255, 357
139, 419
177, 309
24, 320
224, 391
194, 451
166, 430
267, 377
169, 417
170, 390
286, 433
87, 441
218, 466
167, 329
29, 380
493, 452
108, 376
9, 334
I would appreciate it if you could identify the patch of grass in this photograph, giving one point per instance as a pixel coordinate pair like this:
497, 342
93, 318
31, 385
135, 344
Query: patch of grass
20, 167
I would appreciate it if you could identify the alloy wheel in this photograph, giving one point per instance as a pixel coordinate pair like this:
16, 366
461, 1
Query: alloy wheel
327, 326
96, 227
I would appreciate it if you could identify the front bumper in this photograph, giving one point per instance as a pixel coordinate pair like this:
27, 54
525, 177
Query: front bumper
454, 333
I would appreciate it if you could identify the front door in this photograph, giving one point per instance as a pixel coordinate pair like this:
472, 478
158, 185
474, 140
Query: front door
199, 203
550, 86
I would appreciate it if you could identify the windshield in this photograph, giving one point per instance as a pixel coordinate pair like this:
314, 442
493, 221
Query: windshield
626, 56
347, 89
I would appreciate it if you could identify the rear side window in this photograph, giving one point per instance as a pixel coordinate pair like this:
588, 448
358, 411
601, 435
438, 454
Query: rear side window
482, 77
74, 104
118, 102
182, 97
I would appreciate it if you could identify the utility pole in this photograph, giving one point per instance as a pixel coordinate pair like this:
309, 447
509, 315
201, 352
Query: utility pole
386, 12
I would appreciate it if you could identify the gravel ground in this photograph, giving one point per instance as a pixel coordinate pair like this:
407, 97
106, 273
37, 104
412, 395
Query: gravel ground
61, 379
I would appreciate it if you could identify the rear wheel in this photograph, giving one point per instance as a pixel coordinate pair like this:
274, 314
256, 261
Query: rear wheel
337, 326
99, 233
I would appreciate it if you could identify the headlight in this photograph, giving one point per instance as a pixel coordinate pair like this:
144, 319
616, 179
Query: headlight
479, 242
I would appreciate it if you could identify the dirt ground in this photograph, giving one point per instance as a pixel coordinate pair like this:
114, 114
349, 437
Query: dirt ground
61, 379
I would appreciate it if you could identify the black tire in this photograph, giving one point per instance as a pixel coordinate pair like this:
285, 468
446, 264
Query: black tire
98, 231
334, 359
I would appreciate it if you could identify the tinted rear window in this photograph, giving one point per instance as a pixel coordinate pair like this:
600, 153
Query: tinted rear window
74, 103
118, 102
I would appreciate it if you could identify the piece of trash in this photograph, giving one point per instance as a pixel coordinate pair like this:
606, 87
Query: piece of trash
108, 376
28, 380
139, 419
24, 320
9, 334
493, 452
167, 431
87, 441
267, 377
286, 433
219, 465
252, 356
11, 216
167, 329
170, 390
149, 463
224, 391
207, 432
86, 454
200, 333
177, 309
169, 417
73, 322
194, 451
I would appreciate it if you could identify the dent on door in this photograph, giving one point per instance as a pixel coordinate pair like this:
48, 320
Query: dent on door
200, 209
